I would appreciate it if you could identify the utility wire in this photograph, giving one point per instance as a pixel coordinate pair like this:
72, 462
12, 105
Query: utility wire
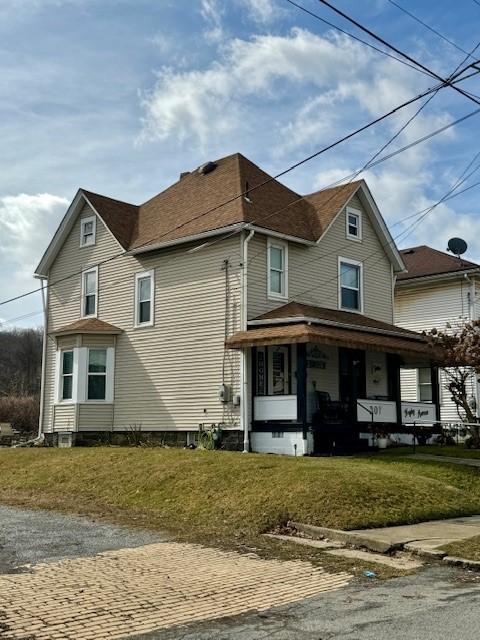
250, 189
354, 37
427, 26
397, 50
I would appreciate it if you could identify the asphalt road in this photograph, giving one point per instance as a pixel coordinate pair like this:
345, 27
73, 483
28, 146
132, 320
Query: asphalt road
437, 603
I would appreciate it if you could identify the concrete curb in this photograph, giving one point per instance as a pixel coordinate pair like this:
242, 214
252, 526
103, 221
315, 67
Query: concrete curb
355, 539
462, 562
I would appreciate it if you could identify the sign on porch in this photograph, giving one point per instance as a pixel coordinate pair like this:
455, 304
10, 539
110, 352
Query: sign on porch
418, 412
376, 411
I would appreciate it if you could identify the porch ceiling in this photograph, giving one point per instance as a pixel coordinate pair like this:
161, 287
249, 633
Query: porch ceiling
303, 332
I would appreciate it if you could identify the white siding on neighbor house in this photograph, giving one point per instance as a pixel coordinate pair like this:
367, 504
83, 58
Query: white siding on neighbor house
166, 376
313, 271
422, 307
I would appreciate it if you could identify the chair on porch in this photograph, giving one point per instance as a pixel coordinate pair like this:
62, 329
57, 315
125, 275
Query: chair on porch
328, 411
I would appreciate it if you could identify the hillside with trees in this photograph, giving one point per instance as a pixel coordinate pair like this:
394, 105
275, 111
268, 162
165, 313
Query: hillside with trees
20, 374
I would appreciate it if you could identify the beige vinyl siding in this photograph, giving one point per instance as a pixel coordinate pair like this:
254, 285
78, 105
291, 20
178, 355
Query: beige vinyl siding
409, 385
90, 340
95, 417
313, 271
166, 376
64, 417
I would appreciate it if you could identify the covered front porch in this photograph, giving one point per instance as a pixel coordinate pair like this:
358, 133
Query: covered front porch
324, 387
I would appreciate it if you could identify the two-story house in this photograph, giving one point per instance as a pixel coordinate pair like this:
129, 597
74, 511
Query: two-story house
226, 300
438, 289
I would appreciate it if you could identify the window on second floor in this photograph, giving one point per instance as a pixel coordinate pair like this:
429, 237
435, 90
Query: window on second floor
144, 299
350, 285
88, 231
89, 292
424, 385
277, 269
354, 224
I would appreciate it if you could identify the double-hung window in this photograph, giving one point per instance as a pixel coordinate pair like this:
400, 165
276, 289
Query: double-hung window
89, 292
66, 392
277, 269
88, 231
354, 224
424, 385
350, 285
97, 374
144, 298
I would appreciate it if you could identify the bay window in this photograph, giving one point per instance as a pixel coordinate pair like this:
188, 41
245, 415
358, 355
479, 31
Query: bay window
97, 374
277, 258
85, 374
67, 375
350, 285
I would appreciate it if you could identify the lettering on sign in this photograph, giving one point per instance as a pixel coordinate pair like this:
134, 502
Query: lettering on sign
412, 412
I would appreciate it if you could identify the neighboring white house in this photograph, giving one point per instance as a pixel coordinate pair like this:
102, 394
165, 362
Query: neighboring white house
229, 300
437, 289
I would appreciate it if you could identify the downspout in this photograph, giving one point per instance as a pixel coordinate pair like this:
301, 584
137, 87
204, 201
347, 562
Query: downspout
44, 363
244, 358
471, 317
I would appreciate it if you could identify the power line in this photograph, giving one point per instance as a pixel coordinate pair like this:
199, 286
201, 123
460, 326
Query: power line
397, 50
354, 37
250, 189
427, 26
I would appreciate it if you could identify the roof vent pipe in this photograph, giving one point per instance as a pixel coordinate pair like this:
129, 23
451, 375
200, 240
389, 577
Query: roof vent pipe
208, 167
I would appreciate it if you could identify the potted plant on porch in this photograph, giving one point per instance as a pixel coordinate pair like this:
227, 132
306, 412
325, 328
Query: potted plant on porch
381, 438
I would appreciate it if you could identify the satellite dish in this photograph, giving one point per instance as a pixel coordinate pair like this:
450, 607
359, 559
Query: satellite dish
457, 246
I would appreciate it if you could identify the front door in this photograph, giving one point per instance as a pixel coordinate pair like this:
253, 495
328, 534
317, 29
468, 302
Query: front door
352, 378
279, 368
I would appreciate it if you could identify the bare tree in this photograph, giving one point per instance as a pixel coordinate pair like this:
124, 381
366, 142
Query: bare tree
457, 349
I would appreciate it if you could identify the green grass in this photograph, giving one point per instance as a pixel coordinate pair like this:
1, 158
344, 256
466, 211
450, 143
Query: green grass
468, 549
221, 496
458, 451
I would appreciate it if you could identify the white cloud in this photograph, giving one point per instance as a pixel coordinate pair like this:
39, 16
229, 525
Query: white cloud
199, 104
261, 11
27, 223
212, 13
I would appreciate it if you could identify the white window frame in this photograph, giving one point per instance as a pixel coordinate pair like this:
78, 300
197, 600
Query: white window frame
138, 276
59, 377
353, 263
358, 214
278, 244
423, 384
83, 223
82, 309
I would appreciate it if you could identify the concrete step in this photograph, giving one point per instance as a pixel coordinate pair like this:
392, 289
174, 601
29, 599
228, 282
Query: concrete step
354, 539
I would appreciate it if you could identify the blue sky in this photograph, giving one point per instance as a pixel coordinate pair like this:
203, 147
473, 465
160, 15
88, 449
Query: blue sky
120, 96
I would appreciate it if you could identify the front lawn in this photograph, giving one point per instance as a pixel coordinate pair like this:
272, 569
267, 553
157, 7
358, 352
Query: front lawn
224, 497
451, 451
468, 549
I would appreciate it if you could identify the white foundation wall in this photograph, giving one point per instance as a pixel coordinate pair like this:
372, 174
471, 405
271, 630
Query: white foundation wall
265, 442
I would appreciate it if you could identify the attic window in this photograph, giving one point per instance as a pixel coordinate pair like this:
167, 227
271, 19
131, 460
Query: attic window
88, 227
354, 224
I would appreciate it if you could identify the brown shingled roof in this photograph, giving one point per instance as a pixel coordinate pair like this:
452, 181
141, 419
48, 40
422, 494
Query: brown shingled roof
425, 261
303, 332
87, 325
180, 210
297, 310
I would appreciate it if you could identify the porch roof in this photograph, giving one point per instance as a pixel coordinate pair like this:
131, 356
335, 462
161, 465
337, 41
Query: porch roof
302, 332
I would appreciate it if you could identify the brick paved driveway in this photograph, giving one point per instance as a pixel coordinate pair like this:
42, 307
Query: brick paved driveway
127, 591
